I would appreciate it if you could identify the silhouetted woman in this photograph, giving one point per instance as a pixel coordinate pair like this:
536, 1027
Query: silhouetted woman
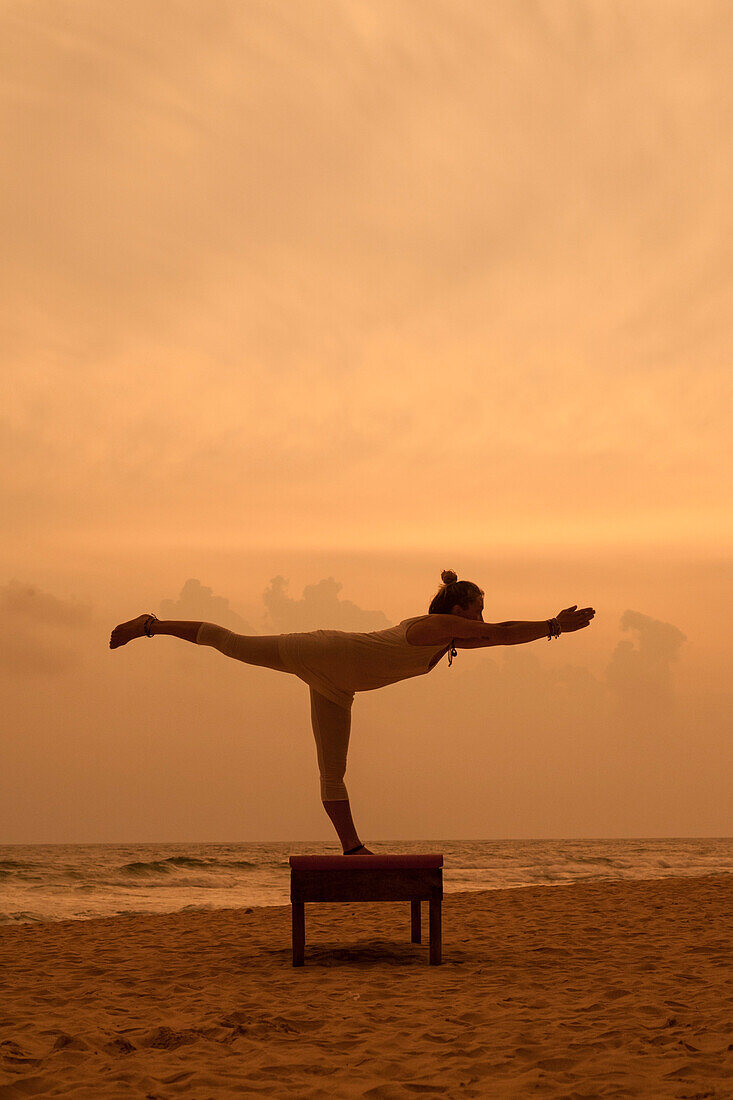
337, 663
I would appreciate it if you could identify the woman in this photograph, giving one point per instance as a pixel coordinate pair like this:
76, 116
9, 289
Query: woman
336, 664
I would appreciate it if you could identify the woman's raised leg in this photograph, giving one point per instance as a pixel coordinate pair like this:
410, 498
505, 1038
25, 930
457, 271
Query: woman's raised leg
253, 649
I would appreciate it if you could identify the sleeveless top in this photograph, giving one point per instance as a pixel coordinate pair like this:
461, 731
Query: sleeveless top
338, 663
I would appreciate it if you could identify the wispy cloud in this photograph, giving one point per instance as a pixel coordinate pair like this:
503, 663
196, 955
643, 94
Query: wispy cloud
41, 630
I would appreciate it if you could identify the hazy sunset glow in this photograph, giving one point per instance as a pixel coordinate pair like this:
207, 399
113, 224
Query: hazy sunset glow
361, 291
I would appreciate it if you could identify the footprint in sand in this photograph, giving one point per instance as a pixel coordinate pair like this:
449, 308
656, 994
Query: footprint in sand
69, 1042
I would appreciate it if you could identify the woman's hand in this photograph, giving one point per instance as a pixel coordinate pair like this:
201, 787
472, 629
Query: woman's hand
570, 619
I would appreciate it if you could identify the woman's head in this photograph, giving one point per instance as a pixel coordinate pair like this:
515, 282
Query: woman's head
453, 593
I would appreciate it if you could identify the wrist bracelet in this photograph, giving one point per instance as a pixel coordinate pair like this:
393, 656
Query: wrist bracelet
554, 629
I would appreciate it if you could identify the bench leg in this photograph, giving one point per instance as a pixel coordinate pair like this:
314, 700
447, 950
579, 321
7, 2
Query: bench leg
415, 921
435, 931
298, 933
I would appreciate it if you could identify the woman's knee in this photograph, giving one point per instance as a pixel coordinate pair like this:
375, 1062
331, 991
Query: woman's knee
252, 649
331, 728
333, 789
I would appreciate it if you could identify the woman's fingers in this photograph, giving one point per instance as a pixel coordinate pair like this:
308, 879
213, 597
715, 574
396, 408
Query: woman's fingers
577, 619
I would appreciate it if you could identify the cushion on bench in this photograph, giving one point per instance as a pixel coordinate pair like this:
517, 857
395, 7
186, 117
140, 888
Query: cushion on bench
367, 863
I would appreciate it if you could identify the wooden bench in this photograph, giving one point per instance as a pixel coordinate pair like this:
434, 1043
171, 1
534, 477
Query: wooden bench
368, 878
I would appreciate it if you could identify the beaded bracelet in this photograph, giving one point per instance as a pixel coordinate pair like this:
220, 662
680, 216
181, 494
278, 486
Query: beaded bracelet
554, 628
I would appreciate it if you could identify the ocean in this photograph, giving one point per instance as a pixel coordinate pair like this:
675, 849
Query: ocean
47, 882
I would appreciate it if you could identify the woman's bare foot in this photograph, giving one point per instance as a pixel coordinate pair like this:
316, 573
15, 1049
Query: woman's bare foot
361, 851
125, 632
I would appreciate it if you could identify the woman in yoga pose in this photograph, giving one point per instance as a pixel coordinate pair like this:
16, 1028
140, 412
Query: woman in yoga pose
336, 664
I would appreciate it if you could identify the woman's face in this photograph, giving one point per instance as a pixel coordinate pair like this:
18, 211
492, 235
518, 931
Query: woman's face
475, 610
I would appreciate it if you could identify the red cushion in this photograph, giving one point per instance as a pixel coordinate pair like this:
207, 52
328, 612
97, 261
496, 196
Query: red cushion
374, 863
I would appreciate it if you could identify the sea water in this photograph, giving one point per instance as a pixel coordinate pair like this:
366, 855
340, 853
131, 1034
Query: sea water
42, 882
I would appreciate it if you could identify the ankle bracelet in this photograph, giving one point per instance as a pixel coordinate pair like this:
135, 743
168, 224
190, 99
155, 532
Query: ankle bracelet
146, 625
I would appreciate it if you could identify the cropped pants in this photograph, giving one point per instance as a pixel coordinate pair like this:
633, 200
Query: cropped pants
331, 723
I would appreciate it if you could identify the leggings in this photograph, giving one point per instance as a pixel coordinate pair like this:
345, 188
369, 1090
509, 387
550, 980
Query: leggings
331, 723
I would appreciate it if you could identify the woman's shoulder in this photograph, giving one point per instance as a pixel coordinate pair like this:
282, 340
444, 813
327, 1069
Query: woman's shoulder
424, 630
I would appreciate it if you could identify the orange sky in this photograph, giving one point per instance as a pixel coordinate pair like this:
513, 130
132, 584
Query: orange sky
365, 290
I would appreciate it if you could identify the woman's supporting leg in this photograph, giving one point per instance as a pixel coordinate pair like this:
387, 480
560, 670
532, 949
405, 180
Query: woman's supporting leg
331, 729
339, 810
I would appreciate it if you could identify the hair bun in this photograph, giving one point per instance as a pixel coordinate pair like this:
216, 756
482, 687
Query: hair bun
448, 576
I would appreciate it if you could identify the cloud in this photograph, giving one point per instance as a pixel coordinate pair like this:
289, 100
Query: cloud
318, 609
163, 268
26, 602
514, 687
643, 672
33, 621
197, 602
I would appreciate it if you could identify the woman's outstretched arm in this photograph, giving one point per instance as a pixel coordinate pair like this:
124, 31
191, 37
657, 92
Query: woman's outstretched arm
504, 634
569, 620
515, 633
518, 631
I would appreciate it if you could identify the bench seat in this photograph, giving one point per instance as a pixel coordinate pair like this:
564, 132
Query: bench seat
399, 877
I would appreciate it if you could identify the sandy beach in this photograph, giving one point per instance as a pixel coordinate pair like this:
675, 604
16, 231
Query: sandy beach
602, 989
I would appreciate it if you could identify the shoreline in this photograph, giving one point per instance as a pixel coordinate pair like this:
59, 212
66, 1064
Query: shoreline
251, 906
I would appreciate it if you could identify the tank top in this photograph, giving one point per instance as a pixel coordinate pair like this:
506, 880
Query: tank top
338, 663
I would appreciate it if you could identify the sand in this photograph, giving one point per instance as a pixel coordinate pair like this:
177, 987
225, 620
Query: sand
594, 989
